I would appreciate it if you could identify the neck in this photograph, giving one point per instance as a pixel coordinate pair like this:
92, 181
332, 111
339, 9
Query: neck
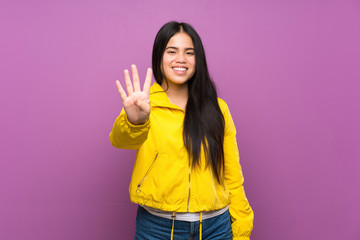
177, 93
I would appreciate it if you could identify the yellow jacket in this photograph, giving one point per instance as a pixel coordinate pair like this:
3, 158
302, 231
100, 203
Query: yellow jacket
162, 175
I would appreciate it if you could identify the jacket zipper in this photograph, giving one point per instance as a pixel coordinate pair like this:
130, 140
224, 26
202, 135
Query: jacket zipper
188, 202
138, 190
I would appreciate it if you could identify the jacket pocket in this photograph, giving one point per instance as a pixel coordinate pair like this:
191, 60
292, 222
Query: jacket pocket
138, 190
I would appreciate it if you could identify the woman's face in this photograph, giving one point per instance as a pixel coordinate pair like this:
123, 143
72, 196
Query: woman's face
178, 62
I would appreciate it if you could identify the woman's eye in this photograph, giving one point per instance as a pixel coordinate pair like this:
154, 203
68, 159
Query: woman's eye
190, 53
171, 52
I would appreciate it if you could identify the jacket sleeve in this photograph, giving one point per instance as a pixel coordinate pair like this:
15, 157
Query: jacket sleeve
242, 216
126, 135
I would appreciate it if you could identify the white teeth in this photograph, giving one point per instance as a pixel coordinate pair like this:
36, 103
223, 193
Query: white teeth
179, 69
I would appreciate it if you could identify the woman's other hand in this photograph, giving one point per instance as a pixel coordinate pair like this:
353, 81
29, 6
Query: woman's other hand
136, 103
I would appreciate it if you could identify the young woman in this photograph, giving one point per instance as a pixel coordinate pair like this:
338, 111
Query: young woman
186, 178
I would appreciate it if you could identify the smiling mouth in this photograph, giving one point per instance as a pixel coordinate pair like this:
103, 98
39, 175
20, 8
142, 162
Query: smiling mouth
179, 69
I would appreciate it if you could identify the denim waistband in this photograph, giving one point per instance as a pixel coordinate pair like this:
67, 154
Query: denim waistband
185, 216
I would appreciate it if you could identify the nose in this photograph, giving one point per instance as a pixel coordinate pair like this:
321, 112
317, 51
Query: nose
180, 58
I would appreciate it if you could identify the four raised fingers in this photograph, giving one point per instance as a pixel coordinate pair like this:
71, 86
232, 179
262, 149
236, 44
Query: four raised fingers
135, 87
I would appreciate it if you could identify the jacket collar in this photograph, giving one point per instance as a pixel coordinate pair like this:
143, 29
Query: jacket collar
159, 98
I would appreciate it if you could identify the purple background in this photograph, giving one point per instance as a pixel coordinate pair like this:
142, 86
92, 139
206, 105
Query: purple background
289, 71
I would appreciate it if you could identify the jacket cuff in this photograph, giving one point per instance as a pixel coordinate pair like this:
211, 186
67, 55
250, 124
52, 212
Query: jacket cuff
137, 127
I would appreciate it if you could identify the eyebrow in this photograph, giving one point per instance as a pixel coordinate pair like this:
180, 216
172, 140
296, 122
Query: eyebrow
178, 48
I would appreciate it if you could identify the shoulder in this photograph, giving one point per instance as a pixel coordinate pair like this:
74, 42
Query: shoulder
229, 123
223, 106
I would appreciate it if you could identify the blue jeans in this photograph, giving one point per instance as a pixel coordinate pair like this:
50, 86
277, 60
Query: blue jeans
151, 227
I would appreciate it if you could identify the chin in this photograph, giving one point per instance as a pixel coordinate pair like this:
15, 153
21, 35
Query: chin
178, 81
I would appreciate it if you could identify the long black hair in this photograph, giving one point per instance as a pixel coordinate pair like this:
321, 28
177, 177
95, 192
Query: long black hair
204, 123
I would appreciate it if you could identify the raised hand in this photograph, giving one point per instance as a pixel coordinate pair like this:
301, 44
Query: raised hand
136, 103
